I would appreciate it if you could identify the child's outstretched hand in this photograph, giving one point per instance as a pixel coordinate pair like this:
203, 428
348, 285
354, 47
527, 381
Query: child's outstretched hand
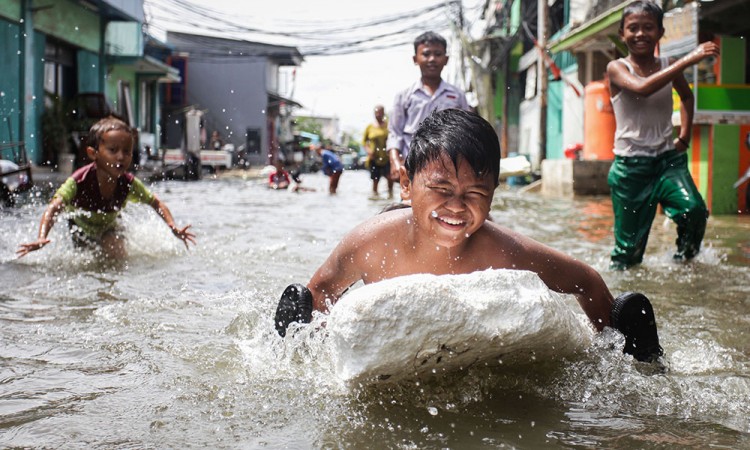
703, 51
184, 235
25, 249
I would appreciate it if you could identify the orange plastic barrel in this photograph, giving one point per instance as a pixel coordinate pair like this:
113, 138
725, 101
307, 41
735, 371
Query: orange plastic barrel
598, 122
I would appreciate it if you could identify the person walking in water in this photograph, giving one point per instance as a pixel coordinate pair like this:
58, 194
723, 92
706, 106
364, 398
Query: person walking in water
332, 167
650, 166
429, 93
96, 193
374, 140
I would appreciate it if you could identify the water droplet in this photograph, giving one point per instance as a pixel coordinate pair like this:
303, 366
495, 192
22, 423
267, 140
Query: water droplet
432, 410
434, 214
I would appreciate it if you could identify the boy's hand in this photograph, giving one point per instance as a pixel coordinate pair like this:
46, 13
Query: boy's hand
25, 249
703, 51
681, 145
184, 235
396, 162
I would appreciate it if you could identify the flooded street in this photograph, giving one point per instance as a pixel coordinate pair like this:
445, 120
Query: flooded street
176, 348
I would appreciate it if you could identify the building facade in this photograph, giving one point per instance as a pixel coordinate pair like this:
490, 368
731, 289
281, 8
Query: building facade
56, 55
241, 89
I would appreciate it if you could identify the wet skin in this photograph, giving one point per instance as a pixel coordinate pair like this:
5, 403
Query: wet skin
449, 205
640, 34
112, 158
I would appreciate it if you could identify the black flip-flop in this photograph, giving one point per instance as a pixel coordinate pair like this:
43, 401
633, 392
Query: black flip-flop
633, 315
295, 305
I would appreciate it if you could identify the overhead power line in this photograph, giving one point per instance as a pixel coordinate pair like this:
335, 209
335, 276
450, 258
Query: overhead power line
312, 38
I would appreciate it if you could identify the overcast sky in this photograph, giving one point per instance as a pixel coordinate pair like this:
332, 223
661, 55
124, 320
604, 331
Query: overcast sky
346, 86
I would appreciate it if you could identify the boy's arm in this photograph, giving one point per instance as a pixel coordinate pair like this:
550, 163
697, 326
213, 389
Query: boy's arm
620, 76
45, 225
335, 275
182, 233
395, 141
565, 274
587, 286
687, 108
328, 284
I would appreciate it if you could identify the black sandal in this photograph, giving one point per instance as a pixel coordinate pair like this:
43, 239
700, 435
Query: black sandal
633, 315
295, 305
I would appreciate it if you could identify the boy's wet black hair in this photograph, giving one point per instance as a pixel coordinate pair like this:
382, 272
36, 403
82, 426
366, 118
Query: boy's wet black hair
455, 133
108, 123
643, 6
429, 37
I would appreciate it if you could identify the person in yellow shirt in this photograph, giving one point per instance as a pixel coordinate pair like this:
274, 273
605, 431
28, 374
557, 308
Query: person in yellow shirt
374, 140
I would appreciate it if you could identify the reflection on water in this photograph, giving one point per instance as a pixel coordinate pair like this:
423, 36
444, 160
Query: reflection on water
176, 349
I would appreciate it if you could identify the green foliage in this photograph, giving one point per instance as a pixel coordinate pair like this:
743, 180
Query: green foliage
308, 124
349, 141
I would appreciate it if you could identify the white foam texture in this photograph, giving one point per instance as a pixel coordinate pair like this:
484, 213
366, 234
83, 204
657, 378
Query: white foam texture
421, 324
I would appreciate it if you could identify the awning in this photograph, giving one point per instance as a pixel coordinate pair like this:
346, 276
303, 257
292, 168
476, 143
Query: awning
275, 100
593, 34
148, 65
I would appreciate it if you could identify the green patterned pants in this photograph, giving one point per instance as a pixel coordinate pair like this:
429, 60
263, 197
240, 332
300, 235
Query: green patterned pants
638, 185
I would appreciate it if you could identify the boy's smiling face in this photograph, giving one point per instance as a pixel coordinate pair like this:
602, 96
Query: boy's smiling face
431, 58
115, 153
640, 33
448, 205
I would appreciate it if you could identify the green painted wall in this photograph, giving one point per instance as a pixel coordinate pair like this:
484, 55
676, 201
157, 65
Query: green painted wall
33, 127
71, 23
10, 81
88, 72
703, 166
554, 146
726, 161
10, 9
125, 74
515, 93
732, 60
723, 98
500, 87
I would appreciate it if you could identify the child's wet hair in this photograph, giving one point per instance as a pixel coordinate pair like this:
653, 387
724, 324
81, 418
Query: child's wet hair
429, 37
643, 6
455, 133
108, 123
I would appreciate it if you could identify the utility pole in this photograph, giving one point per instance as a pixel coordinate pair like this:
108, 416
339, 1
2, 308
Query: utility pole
459, 23
542, 14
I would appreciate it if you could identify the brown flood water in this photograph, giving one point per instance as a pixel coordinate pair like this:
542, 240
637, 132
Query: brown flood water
176, 349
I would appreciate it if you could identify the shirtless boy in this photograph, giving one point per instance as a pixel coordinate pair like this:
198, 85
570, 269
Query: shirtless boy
450, 176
